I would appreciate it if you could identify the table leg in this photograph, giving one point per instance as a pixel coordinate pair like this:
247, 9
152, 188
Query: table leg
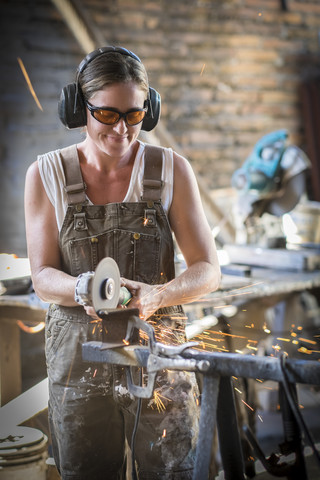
10, 361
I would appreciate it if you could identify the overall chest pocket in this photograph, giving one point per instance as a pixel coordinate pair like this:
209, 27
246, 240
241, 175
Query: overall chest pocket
136, 253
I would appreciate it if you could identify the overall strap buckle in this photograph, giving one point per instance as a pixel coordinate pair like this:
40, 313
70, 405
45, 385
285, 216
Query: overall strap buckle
75, 186
152, 183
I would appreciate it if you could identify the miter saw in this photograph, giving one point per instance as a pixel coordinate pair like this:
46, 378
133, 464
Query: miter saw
272, 180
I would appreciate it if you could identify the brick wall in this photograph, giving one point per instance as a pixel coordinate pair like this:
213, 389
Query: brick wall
228, 71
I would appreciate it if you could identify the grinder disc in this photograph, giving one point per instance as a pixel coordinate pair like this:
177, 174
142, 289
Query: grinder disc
106, 285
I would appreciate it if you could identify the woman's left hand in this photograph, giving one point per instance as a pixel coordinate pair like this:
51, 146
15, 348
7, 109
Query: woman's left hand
144, 297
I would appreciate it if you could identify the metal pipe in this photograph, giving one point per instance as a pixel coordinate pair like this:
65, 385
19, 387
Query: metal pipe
224, 364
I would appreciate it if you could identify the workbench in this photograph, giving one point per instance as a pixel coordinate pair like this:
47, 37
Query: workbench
14, 309
243, 302
250, 296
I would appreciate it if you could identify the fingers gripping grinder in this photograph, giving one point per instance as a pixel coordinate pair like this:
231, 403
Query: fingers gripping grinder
101, 289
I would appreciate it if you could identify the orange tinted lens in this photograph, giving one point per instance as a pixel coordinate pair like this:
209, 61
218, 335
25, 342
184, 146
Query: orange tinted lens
106, 116
133, 118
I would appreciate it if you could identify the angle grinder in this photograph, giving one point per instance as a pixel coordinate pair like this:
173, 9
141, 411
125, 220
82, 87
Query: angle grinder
101, 289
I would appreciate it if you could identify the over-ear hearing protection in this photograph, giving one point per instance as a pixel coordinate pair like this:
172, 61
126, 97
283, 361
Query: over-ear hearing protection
72, 109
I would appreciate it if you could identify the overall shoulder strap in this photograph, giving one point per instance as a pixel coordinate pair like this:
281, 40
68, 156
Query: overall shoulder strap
152, 183
75, 186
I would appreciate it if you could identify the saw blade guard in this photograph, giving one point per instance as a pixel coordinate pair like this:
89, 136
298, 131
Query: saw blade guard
273, 178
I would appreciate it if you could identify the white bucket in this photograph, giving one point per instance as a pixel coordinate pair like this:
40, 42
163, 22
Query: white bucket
305, 218
23, 454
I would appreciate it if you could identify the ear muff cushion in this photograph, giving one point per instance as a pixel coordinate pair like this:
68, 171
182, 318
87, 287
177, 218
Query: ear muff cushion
72, 111
71, 108
154, 110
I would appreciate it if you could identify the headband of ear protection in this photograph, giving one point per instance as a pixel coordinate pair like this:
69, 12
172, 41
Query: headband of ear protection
72, 109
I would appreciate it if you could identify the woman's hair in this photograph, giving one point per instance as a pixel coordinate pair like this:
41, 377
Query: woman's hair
111, 68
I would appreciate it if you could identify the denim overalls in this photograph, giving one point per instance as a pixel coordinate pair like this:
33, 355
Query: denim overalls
91, 412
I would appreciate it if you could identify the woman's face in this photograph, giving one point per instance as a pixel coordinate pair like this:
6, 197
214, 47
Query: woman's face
115, 140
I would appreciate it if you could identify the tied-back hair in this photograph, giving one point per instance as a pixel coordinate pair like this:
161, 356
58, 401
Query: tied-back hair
111, 68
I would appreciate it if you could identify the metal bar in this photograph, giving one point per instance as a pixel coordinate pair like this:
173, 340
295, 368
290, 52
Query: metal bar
126, 356
224, 364
208, 414
264, 368
228, 432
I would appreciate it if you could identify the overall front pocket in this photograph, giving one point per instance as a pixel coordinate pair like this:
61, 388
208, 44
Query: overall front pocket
137, 254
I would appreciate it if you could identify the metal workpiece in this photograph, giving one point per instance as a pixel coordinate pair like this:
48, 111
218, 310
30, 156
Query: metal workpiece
223, 364
264, 368
156, 363
130, 355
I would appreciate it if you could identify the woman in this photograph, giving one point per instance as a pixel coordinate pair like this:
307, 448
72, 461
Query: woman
115, 210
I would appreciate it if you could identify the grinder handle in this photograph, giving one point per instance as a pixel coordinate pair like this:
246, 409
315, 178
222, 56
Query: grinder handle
124, 296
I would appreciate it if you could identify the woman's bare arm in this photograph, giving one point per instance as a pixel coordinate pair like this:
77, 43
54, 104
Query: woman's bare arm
196, 242
49, 282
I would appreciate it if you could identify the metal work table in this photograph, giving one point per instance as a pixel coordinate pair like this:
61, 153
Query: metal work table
263, 289
243, 302
13, 310
218, 405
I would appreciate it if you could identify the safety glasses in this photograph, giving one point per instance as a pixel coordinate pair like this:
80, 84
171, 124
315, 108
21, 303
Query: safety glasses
110, 116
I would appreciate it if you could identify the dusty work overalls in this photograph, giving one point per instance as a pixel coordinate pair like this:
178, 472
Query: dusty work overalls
91, 412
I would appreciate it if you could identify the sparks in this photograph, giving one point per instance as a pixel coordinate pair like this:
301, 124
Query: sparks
247, 405
26, 76
31, 329
158, 402
306, 340
305, 350
252, 348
